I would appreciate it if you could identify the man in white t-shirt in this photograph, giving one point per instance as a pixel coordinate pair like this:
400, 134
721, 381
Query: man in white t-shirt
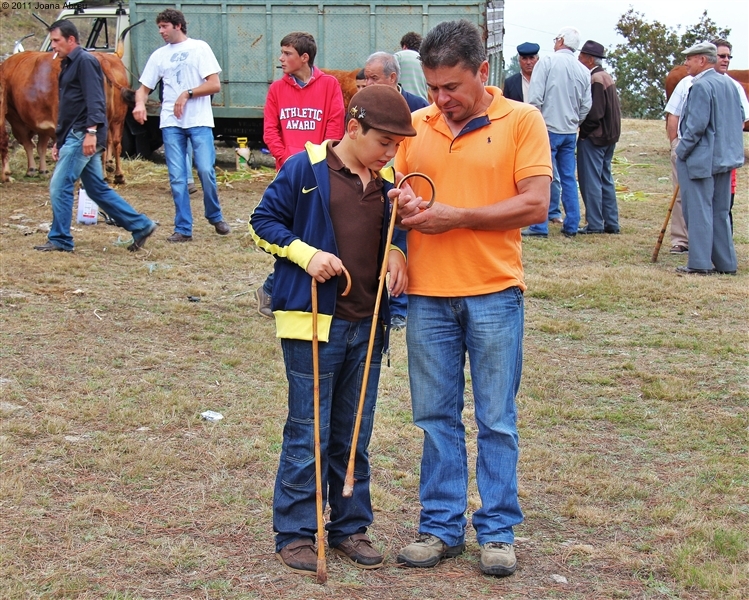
189, 72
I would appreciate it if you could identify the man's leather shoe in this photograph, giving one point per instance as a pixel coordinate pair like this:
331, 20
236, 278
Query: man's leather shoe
358, 550
50, 247
569, 234
529, 233
586, 231
688, 271
178, 237
299, 556
612, 231
222, 228
141, 241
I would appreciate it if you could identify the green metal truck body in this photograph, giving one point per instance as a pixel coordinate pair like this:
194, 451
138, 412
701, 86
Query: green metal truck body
245, 37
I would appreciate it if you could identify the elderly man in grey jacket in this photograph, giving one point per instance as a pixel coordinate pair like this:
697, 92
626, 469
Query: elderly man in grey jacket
711, 147
560, 89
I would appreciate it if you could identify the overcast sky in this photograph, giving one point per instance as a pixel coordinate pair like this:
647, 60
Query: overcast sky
540, 20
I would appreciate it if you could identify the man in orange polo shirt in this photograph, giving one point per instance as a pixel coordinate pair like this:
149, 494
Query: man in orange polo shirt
490, 162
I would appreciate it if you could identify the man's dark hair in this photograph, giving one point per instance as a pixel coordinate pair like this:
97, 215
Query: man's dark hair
173, 16
721, 42
303, 43
67, 29
451, 43
412, 41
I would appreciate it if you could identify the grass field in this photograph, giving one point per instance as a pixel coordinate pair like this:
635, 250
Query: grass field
634, 468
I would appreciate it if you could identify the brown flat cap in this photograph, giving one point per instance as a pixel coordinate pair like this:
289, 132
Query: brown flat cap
382, 107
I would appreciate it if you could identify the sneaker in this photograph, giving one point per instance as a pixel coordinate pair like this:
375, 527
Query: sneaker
556, 221
299, 556
222, 228
263, 303
427, 551
498, 558
397, 323
679, 249
358, 550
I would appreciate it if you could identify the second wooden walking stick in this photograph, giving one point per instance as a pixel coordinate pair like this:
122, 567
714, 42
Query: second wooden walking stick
657, 249
348, 484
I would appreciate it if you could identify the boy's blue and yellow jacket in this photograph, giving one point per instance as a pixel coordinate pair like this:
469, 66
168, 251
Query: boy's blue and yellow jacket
292, 222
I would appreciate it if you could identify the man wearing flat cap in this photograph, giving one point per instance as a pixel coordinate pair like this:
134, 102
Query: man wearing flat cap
711, 146
516, 86
599, 133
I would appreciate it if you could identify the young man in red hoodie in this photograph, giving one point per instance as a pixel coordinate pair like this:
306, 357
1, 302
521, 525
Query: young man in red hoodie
305, 105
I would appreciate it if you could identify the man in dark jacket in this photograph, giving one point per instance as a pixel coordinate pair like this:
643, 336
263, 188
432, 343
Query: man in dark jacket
599, 133
81, 138
516, 86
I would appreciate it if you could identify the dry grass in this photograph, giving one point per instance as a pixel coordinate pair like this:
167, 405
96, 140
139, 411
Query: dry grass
633, 415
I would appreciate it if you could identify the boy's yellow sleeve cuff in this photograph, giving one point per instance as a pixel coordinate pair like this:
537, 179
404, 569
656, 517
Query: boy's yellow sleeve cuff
301, 253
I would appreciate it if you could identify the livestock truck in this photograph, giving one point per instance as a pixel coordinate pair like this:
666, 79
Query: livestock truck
245, 37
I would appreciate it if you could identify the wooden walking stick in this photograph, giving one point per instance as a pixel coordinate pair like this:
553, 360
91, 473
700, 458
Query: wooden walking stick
657, 249
348, 484
322, 568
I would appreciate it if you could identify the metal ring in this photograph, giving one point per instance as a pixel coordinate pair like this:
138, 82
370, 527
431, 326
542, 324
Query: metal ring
429, 180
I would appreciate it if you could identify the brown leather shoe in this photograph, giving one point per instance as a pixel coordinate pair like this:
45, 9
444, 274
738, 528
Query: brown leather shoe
358, 550
178, 237
299, 556
222, 228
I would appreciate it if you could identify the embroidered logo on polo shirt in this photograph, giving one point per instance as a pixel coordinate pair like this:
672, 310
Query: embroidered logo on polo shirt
307, 191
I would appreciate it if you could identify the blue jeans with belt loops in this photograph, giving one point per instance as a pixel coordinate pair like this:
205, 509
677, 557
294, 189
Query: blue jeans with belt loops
489, 328
341, 361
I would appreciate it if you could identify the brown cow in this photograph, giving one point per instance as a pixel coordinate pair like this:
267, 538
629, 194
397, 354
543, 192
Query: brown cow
347, 80
680, 72
29, 101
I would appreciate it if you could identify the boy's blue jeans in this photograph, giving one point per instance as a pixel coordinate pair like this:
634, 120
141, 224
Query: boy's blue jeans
341, 363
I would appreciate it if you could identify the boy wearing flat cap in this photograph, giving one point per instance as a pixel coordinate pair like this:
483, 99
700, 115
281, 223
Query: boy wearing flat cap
328, 209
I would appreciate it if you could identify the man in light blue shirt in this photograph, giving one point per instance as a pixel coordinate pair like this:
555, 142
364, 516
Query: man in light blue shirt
560, 89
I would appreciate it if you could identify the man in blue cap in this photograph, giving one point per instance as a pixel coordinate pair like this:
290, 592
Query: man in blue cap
516, 86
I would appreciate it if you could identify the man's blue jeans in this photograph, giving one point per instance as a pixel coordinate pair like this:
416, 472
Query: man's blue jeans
555, 210
341, 361
597, 185
440, 331
563, 156
71, 165
204, 156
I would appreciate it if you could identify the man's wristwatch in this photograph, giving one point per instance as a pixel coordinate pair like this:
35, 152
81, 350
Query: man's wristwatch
91, 131
189, 93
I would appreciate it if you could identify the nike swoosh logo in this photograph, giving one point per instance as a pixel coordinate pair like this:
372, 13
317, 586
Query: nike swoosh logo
307, 191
